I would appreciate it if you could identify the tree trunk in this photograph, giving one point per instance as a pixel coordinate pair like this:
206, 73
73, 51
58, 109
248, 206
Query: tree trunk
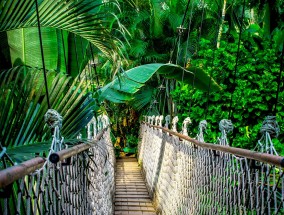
222, 22
266, 20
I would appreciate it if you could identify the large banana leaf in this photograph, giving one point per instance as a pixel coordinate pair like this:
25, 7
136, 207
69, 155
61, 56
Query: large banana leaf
23, 104
24, 47
63, 51
79, 54
90, 19
132, 80
142, 98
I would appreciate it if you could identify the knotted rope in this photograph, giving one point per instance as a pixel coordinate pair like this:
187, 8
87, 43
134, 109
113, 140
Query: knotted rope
185, 123
270, 126
54, 121
174, 123
52, 118
161, 120
202, 129
157, 120
226, 125
203, 126
168, 118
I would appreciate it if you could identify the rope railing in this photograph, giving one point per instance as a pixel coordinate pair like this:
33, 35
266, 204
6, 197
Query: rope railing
258, 156
188, 176
82, 184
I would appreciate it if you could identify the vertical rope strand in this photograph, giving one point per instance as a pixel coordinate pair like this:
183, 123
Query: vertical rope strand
197, 49
187, 42
42, 56
201, 25
176, 41
90, 68
95, 66
237, 59
188, 34
212, 64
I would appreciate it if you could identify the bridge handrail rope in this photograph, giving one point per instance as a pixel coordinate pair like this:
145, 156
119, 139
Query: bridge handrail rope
185, 175
11, 174
259, 156
75, 180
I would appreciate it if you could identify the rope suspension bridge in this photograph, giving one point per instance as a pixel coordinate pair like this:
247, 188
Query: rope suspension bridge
182, 175
173, 173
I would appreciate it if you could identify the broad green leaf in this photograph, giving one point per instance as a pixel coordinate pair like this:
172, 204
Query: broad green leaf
126, 85
24, 46
253, 28
141, 74
142, 98
26, 152
278, 38
90, 19
156, 12
132, 80
77, 54
117, 96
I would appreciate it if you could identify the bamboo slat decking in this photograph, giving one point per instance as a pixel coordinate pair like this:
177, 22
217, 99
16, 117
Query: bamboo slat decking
131, 195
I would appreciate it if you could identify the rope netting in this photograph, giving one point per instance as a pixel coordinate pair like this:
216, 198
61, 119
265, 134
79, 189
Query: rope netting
187, 179
83, 184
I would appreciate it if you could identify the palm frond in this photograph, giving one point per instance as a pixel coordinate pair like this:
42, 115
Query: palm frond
153, 56
24, 103
157, 21
25, 152
138, 48
89, 19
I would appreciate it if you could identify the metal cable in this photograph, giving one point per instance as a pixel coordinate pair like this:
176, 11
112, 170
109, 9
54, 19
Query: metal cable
212, 64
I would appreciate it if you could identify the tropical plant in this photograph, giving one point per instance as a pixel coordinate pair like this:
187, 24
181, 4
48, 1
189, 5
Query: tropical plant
70, 33
88, 19
249, 93
24, 103
129, 82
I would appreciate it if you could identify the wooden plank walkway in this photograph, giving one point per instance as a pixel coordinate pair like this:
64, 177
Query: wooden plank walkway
131, 195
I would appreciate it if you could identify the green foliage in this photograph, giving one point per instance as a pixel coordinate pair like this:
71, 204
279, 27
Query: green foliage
67, 29
24, 47
24, 103
142, 98
92, 20
121, 88
131, 140
152, 25
25, 152
253, 88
